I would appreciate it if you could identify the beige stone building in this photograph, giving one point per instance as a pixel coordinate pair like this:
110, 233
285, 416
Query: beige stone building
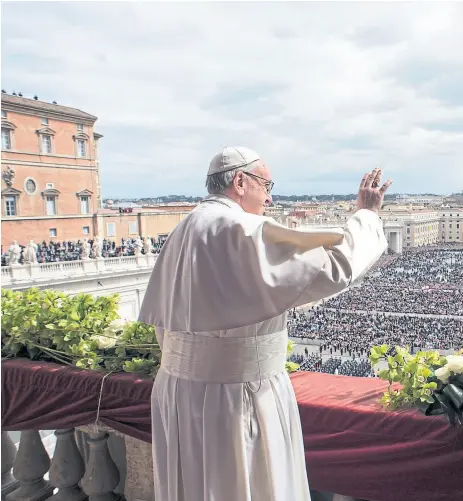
404, 225
451, 225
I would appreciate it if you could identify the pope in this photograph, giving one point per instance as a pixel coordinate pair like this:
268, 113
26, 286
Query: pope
225, 422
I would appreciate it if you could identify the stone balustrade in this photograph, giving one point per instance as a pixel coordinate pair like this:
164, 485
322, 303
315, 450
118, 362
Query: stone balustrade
88, 463
15, 274
95, 463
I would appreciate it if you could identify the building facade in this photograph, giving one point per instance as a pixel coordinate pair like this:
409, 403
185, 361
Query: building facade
404, 226
51, 183
50, 171
451, 225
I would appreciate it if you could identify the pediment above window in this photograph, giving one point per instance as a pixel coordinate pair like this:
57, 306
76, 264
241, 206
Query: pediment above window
84, 193
81, 135
51, 192
46, 131
6, 124
11, 192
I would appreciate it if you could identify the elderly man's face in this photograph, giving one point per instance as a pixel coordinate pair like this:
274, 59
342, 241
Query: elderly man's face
254, 185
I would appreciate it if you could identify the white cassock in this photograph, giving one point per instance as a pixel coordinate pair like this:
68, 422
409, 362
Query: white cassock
225, 421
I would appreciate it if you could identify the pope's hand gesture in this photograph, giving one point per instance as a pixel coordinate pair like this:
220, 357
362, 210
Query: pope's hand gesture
370, 196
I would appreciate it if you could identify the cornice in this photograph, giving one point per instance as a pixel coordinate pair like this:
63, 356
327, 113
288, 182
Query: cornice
84, 193
6, 124
81, 135
51, 192
46, 130
11, 191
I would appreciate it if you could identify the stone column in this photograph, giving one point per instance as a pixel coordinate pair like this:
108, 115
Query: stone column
89, 265
9, 483
30, 465
141, 219
34, 270
139, 481
101, 474
67, 468
150, 260
100, 264
19, 272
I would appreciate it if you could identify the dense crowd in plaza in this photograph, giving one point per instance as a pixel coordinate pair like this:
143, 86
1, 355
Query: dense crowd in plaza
51, 252
387, 307
421, 282
353, 333
333, 365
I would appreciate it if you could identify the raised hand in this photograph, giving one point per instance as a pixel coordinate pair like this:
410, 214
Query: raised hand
370, 196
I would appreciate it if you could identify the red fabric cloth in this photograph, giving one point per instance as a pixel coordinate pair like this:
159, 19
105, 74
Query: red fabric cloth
46, 396
353, 446
356, 448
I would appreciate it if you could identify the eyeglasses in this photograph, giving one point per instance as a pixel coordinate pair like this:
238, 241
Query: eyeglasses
267, 184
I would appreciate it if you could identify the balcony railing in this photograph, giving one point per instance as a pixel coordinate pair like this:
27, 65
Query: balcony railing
90, 462
94, 462
44, 271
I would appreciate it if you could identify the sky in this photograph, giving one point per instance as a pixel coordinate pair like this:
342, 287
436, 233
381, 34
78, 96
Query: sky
323, 92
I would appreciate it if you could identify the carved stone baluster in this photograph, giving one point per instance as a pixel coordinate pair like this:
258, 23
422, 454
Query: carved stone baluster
67, 468
30, 465
101, 474
9, 483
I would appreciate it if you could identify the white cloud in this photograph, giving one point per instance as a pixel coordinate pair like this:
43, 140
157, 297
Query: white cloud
324, 91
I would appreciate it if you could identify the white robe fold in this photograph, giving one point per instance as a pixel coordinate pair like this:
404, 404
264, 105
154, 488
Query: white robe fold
224, 273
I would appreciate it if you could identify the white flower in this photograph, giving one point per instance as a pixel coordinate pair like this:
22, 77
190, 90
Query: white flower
455, 363
104, 342
117, 325
443, 374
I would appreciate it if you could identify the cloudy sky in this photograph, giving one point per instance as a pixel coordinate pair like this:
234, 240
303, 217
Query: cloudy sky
323, 92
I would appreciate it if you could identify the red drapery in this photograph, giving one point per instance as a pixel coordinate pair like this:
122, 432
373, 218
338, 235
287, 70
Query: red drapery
352, 446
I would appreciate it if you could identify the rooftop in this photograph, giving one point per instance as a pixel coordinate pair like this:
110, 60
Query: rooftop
19, 103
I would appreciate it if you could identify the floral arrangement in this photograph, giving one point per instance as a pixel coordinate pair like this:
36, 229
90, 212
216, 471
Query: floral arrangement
427, 380
81, 330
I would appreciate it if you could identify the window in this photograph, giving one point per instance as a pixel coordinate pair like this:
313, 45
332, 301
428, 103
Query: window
4, 114
111, 227
6, 139
84, 205
30, 186
10, 206
44, 121
53, 232
50, 186
80, 148
86, 230
80, 127
133, 228
51, 206
46, 143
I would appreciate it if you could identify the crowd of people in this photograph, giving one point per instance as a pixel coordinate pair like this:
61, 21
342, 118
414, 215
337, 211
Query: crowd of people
421, 282
313, 362
413, 299
51, 252
353, 333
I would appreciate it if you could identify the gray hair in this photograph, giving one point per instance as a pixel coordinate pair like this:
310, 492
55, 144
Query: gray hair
217, 183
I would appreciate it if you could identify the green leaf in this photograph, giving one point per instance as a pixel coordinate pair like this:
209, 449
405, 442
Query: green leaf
74, 315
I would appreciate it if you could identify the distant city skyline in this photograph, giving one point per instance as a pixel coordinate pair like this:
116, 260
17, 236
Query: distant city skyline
323, 91
388, 196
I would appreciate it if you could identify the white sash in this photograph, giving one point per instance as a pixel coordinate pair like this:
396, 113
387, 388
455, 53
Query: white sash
224, 360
